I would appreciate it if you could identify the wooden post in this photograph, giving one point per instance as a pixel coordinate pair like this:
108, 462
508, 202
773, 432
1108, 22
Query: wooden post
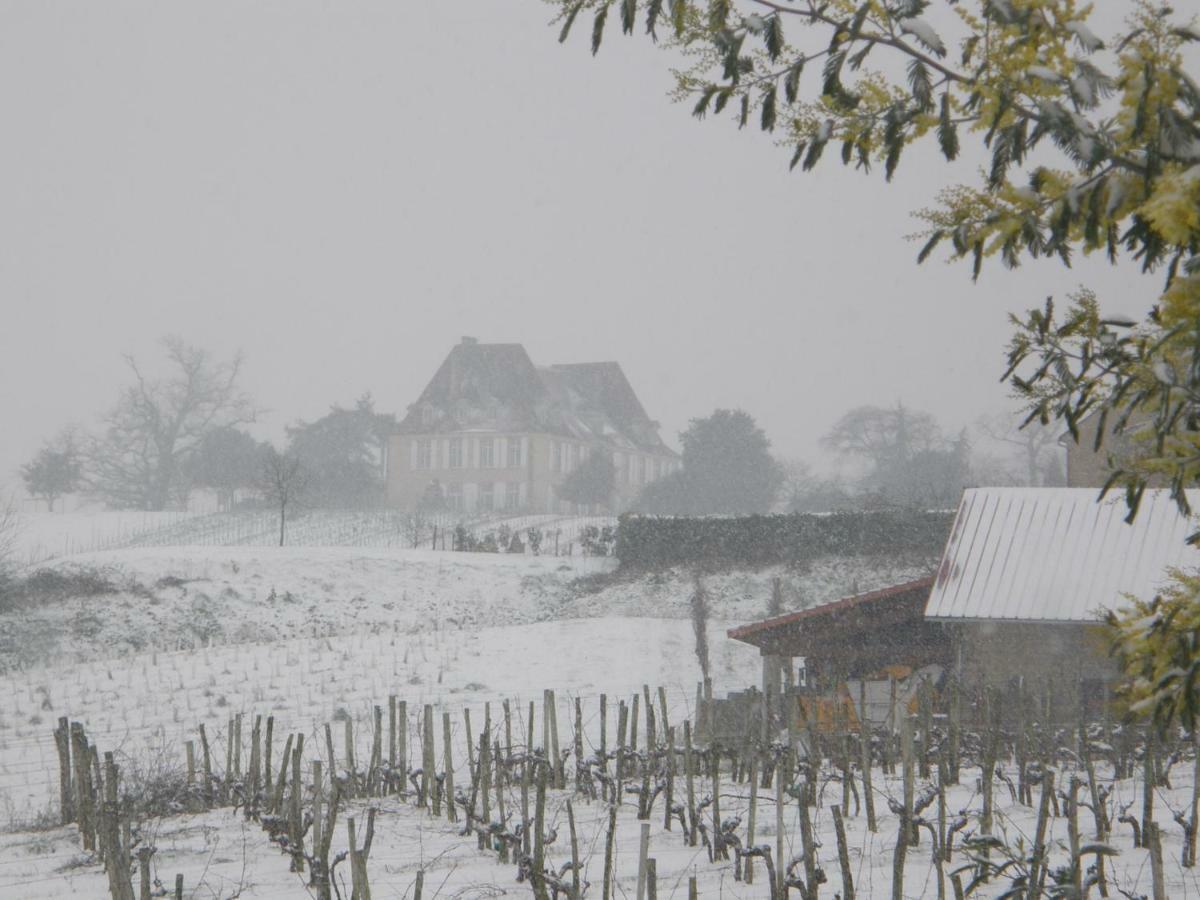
751, 816
1037, 865
1153, 840
780, 885
277, 801
62, 741
296, 819
718, 843
609, 843
651, 878
143, 855
1189, 851
955, 727
448, 753
267, 753
643, 855
669, 773
560, 780
580, 768
619, 775
538, 875
651, 735
808, 845
352, 778
425, 795
843, 855
206, 760
485, 774
402, 745
1073, 835
373, 779
526, 823
575, 893
250, 808
508, 744
392, 741
1148, 781
358, 857
904, 836
864, 751
190, 748
690, 777
500, 813
116, 856
604, 789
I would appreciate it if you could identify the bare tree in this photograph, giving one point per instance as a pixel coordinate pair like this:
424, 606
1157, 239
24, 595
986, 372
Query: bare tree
283, 481
157, 423
10, 533
1040, 451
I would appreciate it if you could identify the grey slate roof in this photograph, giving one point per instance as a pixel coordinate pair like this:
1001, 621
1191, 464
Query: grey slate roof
496, 387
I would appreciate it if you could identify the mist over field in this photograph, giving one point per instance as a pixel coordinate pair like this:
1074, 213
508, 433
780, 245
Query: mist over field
599, 448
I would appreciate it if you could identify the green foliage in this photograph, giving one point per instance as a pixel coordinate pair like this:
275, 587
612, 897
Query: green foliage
1158, 645
55, 470
226, 460
592, 481
727, 469
655, 542
1115, 122
595, 540
344, 453
911, 463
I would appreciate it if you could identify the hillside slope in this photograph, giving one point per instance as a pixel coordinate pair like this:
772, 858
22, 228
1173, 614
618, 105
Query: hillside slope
111, 603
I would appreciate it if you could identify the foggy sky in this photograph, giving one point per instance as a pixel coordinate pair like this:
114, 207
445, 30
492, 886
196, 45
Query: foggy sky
343, 190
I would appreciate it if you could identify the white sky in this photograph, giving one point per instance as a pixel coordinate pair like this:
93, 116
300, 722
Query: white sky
344, 189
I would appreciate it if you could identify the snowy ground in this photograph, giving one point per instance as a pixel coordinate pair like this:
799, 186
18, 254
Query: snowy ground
173, 598
312, 635
41, 536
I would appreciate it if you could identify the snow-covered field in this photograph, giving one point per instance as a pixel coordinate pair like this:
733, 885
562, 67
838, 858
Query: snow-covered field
41, 536
169, 598
312, 635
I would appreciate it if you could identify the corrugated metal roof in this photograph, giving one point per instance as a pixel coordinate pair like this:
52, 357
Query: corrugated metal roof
1056, 554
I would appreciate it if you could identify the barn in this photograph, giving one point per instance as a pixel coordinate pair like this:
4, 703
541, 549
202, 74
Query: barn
1022, 585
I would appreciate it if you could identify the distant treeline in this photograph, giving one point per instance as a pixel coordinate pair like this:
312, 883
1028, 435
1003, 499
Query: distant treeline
645, 542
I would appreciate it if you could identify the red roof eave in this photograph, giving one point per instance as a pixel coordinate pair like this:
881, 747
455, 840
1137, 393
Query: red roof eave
744, 632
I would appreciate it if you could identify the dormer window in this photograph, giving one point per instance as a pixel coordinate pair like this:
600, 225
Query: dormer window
426, 415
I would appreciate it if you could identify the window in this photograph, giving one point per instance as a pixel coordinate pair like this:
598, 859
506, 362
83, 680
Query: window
514, 453
651, 470
454, 496
486, 496
424, 455
555, 456
641, 470
512, 495
456, 453
487, 453
571, 448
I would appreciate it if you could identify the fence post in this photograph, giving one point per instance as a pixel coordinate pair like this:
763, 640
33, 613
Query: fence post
62, 740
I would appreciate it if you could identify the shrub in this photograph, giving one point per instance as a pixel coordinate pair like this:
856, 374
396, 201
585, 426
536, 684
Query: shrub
652, 542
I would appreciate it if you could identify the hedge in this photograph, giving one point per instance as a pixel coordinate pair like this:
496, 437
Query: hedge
647, 542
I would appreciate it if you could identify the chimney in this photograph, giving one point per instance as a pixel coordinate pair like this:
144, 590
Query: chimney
468, 341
